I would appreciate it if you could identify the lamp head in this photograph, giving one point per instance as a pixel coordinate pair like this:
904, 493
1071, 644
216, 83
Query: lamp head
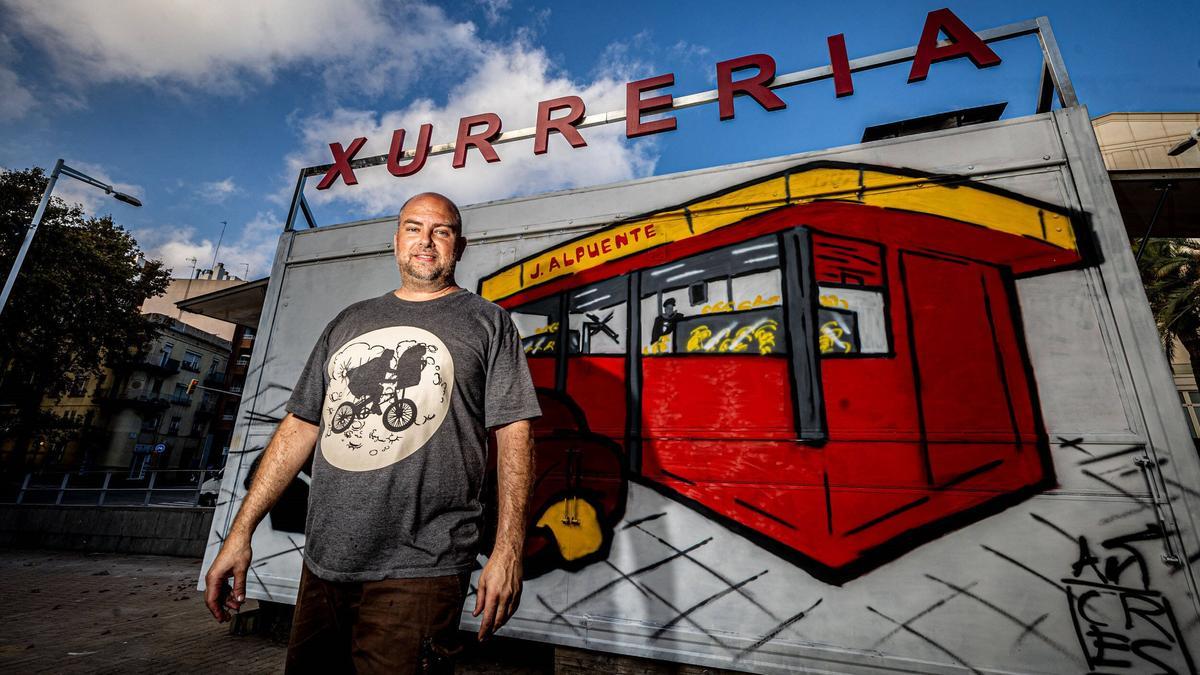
128, 199
1186, 144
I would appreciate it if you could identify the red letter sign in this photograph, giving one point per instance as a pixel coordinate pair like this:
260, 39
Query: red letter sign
964, 43
482, 140
563, 125
341, 164
842, 84
636, 106
756, 86
419, 154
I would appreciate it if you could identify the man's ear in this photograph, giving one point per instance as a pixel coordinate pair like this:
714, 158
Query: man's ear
461, 247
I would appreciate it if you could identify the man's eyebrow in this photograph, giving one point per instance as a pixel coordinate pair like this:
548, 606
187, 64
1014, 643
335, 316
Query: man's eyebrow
417, 221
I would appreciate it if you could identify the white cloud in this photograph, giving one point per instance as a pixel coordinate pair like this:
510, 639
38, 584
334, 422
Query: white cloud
16, 100
508, 80
94, 201
218, 191
218, 44
250, 245
494, 10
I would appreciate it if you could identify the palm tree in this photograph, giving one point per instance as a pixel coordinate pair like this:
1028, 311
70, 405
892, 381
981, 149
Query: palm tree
1170, 270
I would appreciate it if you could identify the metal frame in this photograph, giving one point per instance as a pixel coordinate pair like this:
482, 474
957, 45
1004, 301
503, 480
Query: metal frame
1054, 78
144, 495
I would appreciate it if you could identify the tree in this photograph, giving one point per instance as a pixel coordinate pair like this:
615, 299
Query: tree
1170, 270
75, 304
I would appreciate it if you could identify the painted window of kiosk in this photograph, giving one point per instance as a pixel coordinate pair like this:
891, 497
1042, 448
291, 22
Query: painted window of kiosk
851, 289
537, 323
725, 301
598, 317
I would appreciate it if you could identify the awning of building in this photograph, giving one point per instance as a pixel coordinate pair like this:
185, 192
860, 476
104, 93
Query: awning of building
240, 304
1139, 192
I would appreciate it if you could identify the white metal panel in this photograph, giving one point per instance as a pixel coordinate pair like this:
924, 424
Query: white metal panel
988, 597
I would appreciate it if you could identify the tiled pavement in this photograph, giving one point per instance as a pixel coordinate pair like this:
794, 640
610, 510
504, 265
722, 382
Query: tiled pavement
70, 612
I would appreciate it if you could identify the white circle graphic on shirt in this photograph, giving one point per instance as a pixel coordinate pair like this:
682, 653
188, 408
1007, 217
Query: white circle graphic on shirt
389, 391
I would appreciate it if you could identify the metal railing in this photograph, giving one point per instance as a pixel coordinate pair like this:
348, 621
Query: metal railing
156, 487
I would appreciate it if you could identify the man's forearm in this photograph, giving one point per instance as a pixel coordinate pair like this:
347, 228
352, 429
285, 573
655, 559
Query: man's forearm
288, 450
515, 475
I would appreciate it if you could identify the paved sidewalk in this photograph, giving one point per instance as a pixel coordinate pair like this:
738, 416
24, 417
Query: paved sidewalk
70, 612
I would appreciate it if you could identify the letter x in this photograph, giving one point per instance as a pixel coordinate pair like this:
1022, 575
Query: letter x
341, 163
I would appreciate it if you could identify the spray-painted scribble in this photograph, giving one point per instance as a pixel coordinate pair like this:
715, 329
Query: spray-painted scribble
1124, 625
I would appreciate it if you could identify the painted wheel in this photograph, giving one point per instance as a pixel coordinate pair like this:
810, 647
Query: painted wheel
342, 418
400, 415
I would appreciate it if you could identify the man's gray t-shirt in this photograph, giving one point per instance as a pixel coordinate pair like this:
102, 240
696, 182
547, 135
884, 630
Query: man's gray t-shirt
404, 392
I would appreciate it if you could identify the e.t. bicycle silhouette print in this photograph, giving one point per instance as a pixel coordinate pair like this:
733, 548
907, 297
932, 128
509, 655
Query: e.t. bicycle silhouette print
369, 384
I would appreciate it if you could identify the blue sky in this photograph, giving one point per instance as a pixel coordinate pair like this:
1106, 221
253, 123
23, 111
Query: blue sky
207, 110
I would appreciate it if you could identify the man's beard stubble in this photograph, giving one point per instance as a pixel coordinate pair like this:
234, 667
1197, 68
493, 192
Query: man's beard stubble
436, 276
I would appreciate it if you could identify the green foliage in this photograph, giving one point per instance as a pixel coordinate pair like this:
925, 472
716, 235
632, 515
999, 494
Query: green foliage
1170, 270
77, 299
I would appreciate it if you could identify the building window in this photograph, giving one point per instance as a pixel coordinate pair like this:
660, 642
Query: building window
216, 365
243, 360
597, 317
173, 428
1191, 404
537, 324
852, 317
152, 423
727, 301
191, 361
197, 426
166, 353
79, 385
181, 394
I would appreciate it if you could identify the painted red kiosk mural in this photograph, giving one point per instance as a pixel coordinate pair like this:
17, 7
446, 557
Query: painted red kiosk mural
829, 360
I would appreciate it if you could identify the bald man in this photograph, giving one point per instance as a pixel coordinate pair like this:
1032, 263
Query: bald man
394, 511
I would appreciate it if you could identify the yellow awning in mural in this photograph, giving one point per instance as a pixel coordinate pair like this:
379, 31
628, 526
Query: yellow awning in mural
947, 197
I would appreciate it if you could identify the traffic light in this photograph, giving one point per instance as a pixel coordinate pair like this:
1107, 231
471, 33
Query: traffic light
192, 386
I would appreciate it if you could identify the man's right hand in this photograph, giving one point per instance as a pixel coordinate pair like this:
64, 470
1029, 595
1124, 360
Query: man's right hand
232, 560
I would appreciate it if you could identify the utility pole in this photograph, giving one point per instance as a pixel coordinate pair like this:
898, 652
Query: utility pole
224, 224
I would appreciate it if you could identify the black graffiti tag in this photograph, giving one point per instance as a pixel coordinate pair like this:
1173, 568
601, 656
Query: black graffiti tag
1123, 628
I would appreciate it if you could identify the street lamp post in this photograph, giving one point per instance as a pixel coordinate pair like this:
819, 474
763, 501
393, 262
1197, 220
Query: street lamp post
63, 169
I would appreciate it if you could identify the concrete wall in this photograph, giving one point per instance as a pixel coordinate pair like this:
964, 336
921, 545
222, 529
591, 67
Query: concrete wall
1140, 140
124, 529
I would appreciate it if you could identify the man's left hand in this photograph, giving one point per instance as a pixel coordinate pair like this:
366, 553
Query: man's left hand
498, 594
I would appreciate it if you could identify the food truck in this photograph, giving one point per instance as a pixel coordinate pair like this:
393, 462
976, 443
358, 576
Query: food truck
892, 407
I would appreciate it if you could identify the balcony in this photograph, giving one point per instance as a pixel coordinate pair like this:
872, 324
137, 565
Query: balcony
162, 366
191, 367
183, 400
216, 380
205, 410
145, 402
